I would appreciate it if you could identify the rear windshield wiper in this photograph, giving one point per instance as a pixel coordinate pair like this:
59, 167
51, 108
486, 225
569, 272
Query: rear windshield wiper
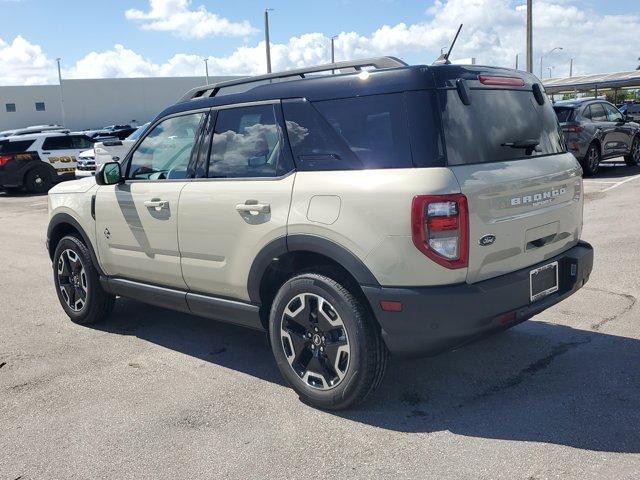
529, 146
522, 144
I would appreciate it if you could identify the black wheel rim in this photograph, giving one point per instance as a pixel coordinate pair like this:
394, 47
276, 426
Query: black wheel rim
315, 341
72, 280
636, 151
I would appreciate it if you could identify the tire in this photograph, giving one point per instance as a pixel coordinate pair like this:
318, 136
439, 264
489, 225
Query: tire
633, 159
326, 330
38, 180
591, 161
77, 283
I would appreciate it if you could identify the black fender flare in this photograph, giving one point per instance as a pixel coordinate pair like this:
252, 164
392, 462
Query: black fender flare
307, 243
62, 219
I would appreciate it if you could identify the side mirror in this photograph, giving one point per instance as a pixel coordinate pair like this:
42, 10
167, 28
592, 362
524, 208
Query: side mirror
109, 174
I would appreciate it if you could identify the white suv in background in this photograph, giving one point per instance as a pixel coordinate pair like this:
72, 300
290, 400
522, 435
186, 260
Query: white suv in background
115, 150
38, 161
399, 209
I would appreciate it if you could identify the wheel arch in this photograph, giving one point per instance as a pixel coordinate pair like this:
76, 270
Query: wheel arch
286, 256
63, 224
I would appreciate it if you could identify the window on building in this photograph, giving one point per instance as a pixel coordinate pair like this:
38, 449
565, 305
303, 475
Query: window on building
39, 106
11, 107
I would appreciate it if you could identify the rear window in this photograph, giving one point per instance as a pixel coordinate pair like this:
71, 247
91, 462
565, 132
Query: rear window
15, 147
369, 132
499, 125
564, 114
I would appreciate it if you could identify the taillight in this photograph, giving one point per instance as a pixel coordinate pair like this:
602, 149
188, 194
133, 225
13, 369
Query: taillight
440, 228
501, 81
571, 128
4, 159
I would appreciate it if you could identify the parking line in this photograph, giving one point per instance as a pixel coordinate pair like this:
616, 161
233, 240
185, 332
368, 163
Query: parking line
620, 183
599, 181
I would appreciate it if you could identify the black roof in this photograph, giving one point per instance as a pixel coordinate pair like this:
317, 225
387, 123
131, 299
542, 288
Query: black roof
354, 84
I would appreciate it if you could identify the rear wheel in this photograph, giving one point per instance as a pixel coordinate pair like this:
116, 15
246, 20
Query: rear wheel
326, 344
77, 284
633, 159
591, 162
38, 180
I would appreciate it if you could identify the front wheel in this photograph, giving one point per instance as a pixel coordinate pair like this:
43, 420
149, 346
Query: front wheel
633, 159
325, 342
77, 284
591, 162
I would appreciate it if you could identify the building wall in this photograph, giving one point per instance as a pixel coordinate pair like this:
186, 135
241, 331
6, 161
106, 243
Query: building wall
94, 103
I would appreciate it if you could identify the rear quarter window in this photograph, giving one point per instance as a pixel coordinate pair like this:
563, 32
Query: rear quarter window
369, 132
15, 147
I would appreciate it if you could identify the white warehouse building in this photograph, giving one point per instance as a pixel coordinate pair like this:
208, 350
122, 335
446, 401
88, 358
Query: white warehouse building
93, 103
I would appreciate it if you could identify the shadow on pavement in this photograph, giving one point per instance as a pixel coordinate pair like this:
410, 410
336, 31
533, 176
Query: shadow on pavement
615, 169
538, 382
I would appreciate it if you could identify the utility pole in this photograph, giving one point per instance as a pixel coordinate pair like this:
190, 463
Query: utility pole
61, 93
550, 68
206, 68
571, 68
333, 49
266, 37
517, 60
529, 36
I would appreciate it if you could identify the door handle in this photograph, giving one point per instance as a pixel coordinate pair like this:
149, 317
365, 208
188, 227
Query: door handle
157, 204
253, 206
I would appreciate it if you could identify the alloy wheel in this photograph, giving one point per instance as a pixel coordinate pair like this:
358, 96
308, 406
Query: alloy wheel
315, 341
636, 151
72, 280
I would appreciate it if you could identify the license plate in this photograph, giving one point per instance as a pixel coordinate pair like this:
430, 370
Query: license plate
543, 281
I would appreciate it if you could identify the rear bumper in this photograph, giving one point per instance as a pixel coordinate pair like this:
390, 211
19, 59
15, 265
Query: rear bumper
434, 319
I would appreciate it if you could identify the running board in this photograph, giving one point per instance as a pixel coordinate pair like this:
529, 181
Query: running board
222, 309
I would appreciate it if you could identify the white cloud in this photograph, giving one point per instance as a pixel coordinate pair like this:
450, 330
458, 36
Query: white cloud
493, 32
24, 63
177, 17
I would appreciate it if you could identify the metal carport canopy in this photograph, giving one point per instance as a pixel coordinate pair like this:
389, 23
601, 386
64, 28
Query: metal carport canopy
590, 82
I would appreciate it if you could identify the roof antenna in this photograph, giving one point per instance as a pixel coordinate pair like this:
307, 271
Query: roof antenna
443, 59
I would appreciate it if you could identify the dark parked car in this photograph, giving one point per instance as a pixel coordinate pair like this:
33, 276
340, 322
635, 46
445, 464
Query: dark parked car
631, 110
595, 130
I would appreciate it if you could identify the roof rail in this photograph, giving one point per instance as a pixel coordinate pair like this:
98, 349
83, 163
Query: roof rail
354, 65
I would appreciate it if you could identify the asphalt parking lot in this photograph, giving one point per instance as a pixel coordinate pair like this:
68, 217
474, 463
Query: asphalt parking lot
157, 394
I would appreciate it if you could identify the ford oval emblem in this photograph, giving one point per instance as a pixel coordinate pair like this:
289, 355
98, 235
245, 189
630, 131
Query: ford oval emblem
487, 240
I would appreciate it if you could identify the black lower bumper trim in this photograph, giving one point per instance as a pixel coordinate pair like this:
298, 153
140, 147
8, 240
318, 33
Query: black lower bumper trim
434, 319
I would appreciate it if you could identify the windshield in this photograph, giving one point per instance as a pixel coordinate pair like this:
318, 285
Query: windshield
499, 125
138, 133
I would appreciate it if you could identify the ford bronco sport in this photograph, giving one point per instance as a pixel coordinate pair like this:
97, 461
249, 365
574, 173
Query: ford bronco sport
378, 208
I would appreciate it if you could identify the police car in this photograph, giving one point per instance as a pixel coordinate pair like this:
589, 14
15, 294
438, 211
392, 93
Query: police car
38, 161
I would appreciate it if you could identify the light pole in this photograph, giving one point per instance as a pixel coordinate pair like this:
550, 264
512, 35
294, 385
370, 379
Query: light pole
517, 54
333, 49
529, 36
547, 54
266, 37
61, 93
206, 68
550, 68
571, 68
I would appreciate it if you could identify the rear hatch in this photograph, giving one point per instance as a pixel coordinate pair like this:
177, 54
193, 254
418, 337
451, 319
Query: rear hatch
504, 146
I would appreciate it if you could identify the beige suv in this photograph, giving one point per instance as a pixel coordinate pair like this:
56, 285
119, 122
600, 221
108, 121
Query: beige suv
350, 210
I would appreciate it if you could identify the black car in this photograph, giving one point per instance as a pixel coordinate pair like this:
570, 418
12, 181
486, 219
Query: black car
631, 110
595, 130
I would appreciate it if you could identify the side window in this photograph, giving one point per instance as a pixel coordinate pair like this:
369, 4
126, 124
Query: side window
613, 113
57, 143
351, 133
586, 113
81, 142
246, 143
597, 113
165, 151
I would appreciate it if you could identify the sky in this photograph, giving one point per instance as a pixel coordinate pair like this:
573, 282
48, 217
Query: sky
140, 38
